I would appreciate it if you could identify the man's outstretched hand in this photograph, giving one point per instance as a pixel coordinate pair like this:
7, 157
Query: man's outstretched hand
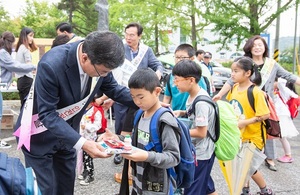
94, 149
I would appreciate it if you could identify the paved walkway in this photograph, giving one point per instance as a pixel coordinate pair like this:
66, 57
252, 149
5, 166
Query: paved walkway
284, 182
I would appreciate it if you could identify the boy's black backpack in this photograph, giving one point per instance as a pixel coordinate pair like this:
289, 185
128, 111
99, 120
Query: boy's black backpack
15, 179
183, 173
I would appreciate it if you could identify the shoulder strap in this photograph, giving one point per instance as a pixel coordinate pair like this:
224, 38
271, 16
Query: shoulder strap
92, 117
251, 97
168, 79
207, 84
211, 102
251, 102
103, 119
137, 116
155, 130
155, 125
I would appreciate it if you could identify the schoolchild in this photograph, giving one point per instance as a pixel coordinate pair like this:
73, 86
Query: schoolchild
90, 125
257, 48
249, 120
186, 77
172, 94
282, 95
149, 172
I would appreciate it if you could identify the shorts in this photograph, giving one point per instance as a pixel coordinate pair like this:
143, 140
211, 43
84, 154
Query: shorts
203, 183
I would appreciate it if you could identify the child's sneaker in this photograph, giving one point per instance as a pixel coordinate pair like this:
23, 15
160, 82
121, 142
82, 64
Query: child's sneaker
4, 145
86, 181
285, 159
246, 191
83, 175
80, 177
269, 192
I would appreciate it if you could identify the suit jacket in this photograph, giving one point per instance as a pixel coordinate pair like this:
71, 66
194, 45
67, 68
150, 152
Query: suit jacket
149, 60
57, 85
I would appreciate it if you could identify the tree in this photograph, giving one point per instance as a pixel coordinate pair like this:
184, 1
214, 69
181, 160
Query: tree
241, 19
42, 17
81, 14
7, 24
189, 18
153, 18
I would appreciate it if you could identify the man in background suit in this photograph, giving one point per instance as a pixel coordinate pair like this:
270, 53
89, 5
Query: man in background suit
64, 78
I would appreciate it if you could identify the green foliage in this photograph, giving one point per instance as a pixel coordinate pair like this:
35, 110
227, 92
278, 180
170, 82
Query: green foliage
81, 14
287, 66
230, 19
6, 24
10, 96
236, 20
150, 15
227, 64
42, 17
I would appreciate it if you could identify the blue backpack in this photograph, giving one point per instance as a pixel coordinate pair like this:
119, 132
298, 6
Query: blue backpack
183, 173
15, 179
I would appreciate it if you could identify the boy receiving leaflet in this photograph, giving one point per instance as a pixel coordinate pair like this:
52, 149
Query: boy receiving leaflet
186, 76
150, 167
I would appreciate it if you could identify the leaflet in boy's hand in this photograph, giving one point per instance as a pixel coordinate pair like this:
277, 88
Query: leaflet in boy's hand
115, 147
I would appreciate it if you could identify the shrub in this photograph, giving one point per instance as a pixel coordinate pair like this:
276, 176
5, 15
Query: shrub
10, 96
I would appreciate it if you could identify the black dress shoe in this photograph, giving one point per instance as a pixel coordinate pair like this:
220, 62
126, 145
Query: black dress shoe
271, 167
118, 159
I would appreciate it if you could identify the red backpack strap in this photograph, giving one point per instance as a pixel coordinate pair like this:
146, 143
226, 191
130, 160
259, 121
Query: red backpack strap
92, 117
103, 121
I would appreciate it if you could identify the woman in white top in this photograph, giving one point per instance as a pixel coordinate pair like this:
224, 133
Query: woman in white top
24, 48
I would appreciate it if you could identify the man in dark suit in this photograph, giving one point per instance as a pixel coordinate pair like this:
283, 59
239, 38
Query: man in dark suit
64, 78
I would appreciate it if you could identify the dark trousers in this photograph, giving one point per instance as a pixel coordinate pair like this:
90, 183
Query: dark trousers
203, 183
120, 114
55, 171
24, 85
88, 165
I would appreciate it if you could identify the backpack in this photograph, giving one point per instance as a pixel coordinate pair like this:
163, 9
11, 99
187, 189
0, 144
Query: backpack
227, 139
103, 119
15, 179
293, 104
272, 123
183, 173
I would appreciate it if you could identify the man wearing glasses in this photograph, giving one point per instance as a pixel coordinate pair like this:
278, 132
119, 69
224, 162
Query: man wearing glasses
62, 92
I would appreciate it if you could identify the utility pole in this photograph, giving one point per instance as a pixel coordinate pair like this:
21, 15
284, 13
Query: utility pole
295, 36
102, 8
276, 45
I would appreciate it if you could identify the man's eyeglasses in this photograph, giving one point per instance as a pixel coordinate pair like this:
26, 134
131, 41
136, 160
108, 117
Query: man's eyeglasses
100, 74
96, 70
181, 57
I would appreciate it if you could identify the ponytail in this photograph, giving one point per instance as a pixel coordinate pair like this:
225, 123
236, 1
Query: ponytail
256, 76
